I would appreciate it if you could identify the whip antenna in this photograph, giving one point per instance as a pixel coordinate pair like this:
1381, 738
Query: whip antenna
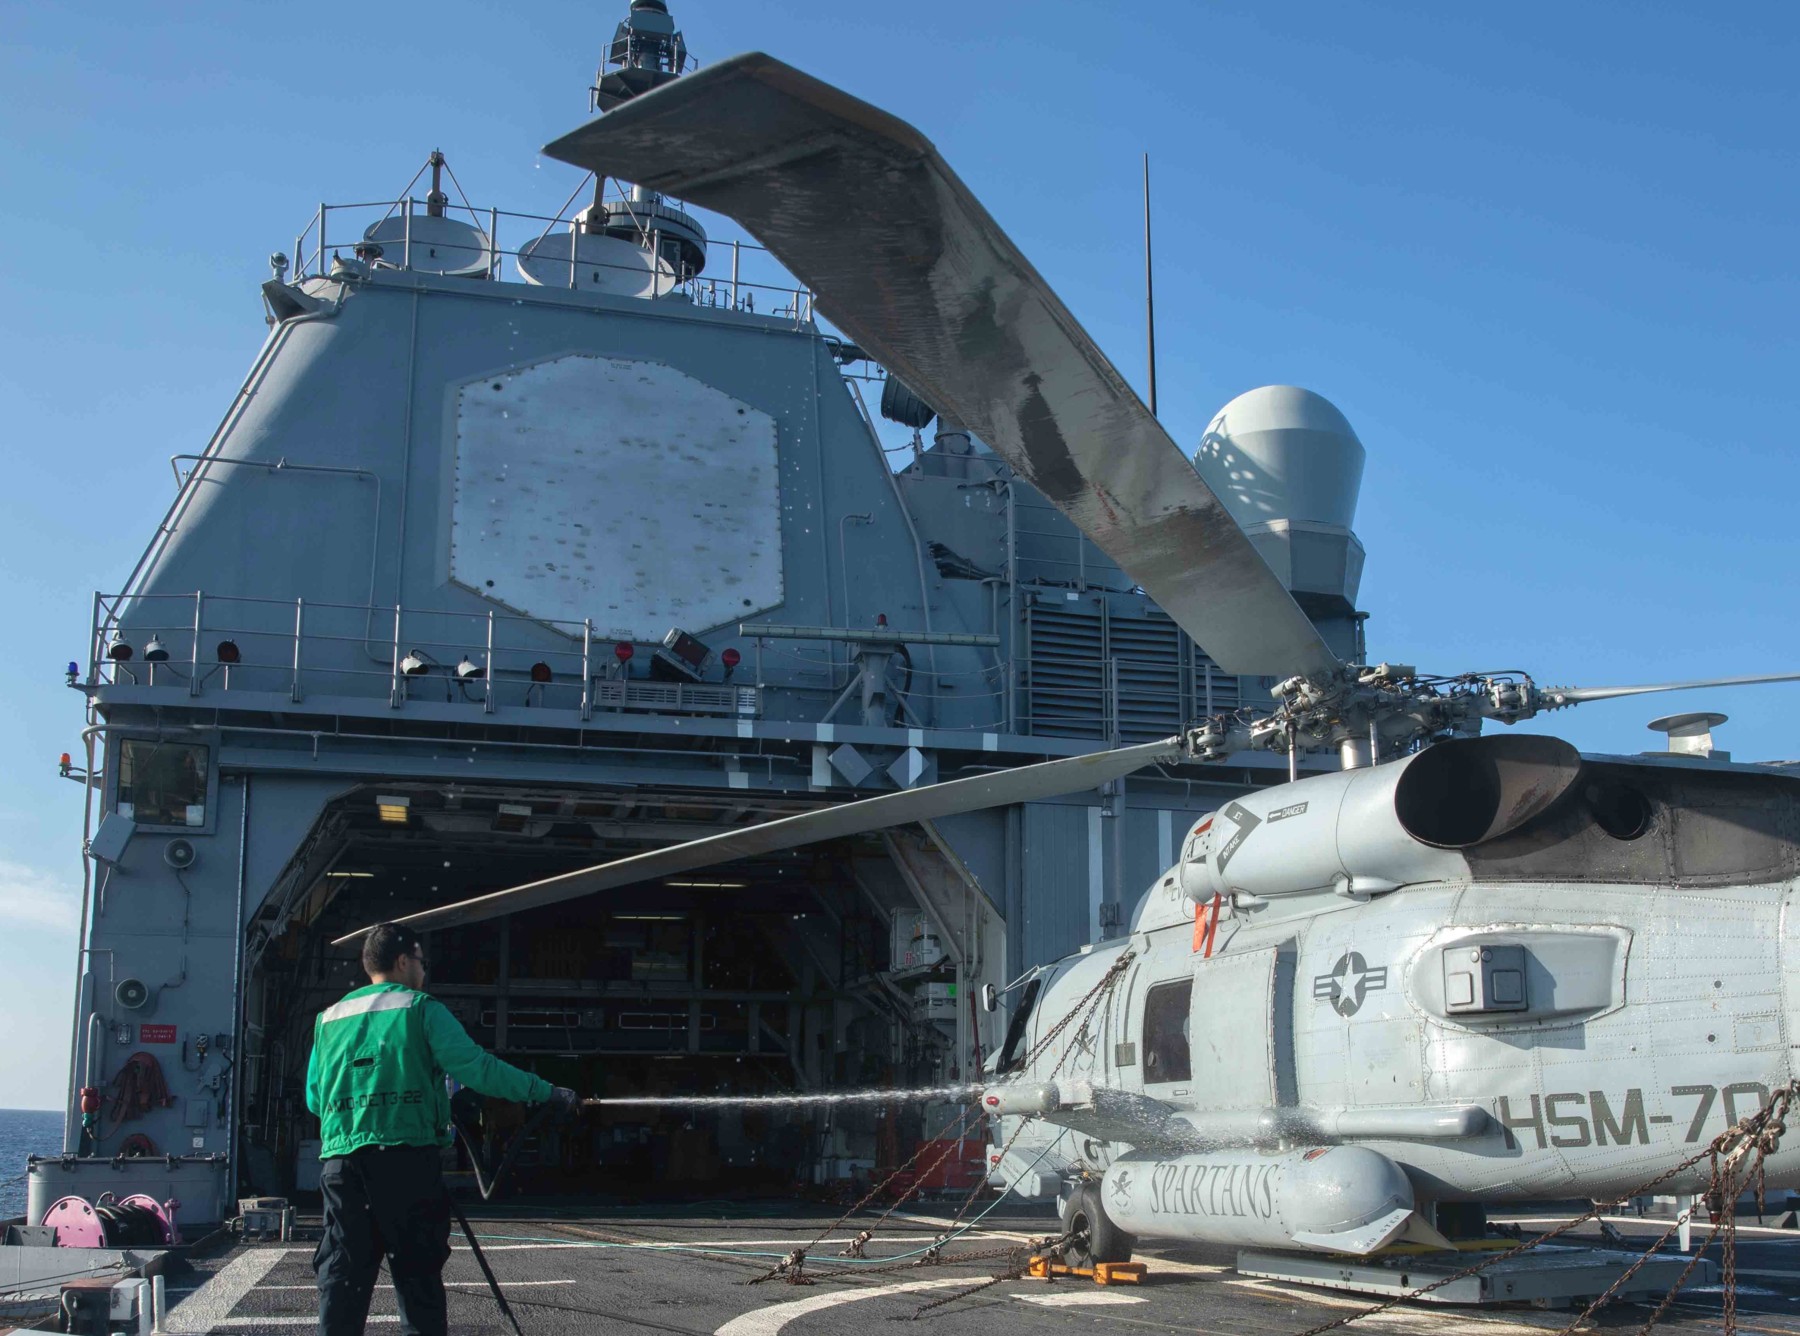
1149, 290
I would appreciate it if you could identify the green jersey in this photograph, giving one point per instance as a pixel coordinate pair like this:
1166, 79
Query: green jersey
379, 1059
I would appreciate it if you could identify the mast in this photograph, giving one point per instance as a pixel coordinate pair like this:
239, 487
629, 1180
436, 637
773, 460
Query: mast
1149, 290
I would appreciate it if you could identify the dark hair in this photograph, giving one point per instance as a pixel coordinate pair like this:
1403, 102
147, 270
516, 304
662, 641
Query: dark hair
385, 944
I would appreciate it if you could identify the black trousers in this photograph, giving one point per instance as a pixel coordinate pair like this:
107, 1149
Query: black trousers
383, 1201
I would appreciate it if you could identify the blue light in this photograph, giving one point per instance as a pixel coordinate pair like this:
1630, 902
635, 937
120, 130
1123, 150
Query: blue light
74, 669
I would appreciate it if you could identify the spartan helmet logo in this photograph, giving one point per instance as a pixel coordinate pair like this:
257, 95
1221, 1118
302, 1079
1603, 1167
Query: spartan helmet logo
1119, 1185
1349, 982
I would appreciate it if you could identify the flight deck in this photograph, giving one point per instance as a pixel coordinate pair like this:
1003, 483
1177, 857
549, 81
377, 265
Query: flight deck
689, 1270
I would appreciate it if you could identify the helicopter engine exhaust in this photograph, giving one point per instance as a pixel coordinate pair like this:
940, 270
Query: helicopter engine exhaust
1344, 1199
1375, 829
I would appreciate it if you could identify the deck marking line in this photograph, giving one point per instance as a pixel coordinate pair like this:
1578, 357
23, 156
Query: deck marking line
211, 1304
1769, 1231
448, 1284
304, 1320
1079, 1299
1436, 1320
769, 1321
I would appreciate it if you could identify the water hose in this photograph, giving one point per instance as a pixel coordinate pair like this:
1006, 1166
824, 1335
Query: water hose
488, 1185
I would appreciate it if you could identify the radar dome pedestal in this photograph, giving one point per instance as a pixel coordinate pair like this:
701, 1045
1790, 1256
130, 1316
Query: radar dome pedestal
1288, 466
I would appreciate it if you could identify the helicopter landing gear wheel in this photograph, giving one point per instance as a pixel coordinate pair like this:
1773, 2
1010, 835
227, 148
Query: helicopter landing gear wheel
1097, 1238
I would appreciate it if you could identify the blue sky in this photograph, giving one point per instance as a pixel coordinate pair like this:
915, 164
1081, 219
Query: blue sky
1541, 256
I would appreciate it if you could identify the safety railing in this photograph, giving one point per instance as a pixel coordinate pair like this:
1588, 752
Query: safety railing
214, 644
740, 275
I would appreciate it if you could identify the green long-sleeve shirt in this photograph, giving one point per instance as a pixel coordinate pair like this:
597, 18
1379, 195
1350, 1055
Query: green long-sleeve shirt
379, 1059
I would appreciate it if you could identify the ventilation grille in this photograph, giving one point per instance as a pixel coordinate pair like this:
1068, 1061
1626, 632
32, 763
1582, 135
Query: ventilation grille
1093, 672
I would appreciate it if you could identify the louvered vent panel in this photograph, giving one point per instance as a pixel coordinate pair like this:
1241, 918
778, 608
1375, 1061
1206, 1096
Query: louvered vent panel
1227, 692
1065, 680
1148, 650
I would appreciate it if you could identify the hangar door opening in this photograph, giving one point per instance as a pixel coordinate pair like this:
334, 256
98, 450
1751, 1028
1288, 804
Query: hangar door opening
801, 972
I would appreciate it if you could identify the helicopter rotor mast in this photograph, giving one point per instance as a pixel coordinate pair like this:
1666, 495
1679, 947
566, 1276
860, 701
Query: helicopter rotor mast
1388, 708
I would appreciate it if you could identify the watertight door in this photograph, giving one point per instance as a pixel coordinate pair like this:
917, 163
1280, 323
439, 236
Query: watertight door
1242, 1035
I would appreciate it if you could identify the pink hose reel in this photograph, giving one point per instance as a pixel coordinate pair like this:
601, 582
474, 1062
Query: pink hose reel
137, 1222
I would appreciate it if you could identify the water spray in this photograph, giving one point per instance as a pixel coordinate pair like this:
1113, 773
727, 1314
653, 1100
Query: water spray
919, 1095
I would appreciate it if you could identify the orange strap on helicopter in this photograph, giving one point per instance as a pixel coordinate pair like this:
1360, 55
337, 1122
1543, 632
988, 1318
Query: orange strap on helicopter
1206, 925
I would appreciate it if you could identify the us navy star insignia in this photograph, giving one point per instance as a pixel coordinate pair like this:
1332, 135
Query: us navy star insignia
1349, 982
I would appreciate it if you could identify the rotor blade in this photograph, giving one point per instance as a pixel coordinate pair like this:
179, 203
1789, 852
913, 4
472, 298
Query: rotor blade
906, 261
1028, 783
1577, 695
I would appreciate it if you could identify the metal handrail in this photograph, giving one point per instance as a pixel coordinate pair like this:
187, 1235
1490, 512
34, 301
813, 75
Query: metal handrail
287, 644
311, 259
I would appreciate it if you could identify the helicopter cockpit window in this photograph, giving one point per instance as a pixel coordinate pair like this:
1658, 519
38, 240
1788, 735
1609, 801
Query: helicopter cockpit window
1015, 1030
1166, 1056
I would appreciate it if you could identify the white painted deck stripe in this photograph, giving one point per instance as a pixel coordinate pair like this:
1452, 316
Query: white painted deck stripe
210, 1306
796, 1241
1079, 1299
769, 1321
1700, 1225
448, 1284
303, 1320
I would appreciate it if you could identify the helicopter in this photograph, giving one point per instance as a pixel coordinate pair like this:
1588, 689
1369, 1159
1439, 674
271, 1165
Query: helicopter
1462, 970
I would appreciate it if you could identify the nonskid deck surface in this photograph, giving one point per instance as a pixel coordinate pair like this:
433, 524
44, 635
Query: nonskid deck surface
687, 1272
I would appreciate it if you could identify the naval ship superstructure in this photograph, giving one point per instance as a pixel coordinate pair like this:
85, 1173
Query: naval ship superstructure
528, 542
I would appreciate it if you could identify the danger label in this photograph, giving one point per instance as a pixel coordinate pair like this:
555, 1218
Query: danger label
156, 1034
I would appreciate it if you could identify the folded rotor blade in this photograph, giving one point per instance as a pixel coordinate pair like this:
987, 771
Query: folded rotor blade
1577, 695
1027, 783
907, 262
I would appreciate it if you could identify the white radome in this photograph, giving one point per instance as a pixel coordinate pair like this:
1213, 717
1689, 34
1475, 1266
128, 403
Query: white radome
1281, 452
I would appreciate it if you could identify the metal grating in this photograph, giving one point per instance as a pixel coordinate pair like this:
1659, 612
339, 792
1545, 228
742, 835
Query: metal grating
676, 697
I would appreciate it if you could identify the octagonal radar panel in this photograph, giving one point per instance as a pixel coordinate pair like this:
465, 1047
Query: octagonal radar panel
621, 491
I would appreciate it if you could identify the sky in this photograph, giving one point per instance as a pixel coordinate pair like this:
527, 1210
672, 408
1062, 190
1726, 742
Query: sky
1540, 255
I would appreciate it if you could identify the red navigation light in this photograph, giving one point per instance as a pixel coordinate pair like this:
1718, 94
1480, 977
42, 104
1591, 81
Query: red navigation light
993, 1101
731, 659
540, 672
623, 651
228, 652
881, 619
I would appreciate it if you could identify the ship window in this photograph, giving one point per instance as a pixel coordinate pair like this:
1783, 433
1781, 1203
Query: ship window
162, 783
1166, 1031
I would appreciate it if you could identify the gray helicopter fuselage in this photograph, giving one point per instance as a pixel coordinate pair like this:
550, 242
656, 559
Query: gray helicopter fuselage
1569, 1008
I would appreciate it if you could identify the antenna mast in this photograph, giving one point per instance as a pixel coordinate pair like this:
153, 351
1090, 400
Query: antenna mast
1149, 290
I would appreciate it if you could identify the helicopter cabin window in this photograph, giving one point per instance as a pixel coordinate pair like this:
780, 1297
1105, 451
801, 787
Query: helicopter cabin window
162, 783
1166, 1031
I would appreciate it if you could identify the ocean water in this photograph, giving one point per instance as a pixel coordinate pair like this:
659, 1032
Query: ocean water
24, 1132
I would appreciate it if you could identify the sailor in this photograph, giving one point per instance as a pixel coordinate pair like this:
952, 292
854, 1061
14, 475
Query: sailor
376, 1082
